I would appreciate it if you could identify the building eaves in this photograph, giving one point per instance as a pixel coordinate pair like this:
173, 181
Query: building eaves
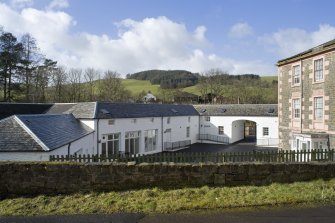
325, 47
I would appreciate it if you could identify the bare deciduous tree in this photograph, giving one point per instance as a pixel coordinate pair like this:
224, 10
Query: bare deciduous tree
75, 87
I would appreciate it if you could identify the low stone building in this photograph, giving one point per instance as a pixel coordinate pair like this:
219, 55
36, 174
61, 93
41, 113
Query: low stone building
307, 99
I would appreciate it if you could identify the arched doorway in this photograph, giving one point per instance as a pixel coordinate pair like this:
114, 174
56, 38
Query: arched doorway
244, 130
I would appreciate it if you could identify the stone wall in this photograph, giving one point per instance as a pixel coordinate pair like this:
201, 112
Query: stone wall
62, 178
306, 91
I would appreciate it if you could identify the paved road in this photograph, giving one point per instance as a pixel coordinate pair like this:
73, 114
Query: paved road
292, 215
243, 146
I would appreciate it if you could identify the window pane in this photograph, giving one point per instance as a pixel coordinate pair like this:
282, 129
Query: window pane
318, 69
110, 147
116, 147
103, 148
127, 146
318, 107
296, 74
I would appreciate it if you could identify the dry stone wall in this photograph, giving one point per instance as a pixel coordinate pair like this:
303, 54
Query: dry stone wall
63, 178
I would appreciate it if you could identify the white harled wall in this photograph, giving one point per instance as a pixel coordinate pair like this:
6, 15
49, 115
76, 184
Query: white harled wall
234, 128
81, 146
177, 125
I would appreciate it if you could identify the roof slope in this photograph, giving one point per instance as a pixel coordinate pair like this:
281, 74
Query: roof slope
126, 110
83, 110
59, 108
13, 137
238, 110
55, 130
9, 109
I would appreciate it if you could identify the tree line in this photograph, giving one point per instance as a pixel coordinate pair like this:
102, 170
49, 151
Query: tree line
167, 78
217, 86
26, 75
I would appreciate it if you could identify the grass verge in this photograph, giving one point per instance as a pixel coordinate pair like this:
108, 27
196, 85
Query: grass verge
157, 200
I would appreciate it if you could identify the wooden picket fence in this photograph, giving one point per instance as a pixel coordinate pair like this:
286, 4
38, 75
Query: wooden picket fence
203, 157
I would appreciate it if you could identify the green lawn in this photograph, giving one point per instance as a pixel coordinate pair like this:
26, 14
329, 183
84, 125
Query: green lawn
137, 86
157, 200
192, 89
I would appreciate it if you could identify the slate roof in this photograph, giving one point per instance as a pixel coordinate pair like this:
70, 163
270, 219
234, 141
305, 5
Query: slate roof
84, 110
107, 110
55, 130
238, 110
26, 132
15, 138
9, 109
59, 108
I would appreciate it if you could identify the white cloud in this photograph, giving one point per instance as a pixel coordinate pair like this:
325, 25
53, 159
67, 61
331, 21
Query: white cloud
152, 43
240, 30
288, 42
58, 4
21, 3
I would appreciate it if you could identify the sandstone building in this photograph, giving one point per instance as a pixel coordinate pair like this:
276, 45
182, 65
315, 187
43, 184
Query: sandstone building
306, 99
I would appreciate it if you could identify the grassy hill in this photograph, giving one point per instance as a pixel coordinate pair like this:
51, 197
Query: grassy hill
269, 78
137, 86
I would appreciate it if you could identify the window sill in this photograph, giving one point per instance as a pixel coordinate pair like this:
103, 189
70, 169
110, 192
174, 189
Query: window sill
318, 82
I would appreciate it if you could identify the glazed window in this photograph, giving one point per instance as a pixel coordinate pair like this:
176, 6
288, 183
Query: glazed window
296, 108
265, 131
318, 70
296, 75
318, 108
221, 130
150, 140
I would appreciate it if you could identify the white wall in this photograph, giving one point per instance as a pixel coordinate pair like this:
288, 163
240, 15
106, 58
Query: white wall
177, 125
84, 143
237, 131
234, 127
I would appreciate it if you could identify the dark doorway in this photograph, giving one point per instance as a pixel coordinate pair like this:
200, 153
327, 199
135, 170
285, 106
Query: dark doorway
250, 131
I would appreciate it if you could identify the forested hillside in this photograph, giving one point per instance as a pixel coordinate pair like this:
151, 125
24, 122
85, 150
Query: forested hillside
167, 78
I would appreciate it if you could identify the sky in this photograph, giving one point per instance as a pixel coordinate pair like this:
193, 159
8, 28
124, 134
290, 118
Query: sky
127, 36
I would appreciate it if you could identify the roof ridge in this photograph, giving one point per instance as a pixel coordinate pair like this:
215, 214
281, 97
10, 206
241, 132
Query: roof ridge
27, 129
43, 115
95, 109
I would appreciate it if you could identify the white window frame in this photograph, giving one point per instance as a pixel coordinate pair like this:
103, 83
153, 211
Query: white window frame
134, 136
266, 131
150, 140
318, 108
318, 70
221, 130
168, 120
111, 122
296, 74
296, 108
110, 140
207, 118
